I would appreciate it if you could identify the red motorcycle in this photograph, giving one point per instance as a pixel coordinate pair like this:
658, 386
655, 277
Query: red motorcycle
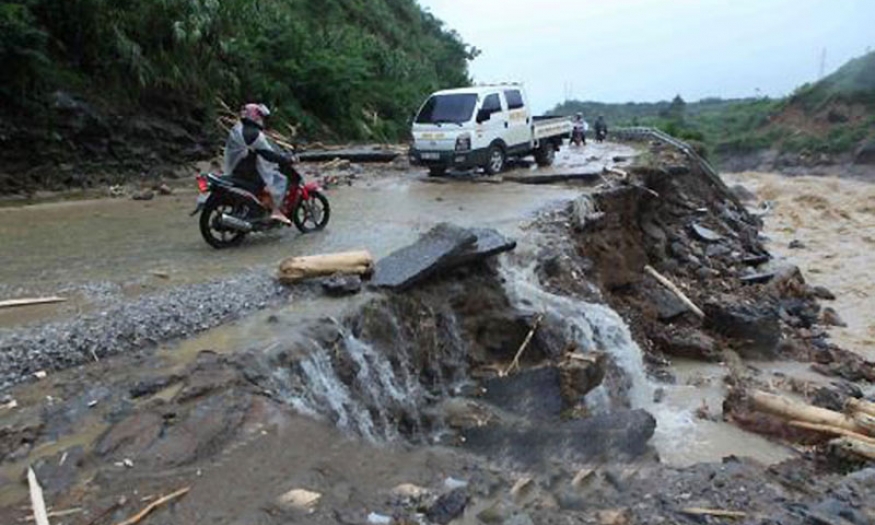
231, 208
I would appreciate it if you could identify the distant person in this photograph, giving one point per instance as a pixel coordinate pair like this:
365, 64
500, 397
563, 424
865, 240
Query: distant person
601, 129
578, 135
250, 156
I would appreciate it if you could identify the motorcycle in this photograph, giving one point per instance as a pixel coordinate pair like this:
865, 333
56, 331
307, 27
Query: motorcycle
601, 135
230, 208
578, 136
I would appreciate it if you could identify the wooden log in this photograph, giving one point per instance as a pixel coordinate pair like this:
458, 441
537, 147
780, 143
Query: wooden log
856, 447
297, 269
826, 429
798, 411
12, 303
675, 290
860, 406
516, 359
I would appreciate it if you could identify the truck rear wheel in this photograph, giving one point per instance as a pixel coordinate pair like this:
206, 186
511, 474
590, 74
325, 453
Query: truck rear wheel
545, 154
497, 158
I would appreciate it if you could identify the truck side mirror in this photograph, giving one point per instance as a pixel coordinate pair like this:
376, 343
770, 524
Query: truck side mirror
483, 115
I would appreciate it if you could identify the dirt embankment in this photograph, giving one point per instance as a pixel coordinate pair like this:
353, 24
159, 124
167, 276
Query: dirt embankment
72, 144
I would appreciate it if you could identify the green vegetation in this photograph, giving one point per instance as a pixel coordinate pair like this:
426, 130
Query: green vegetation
338, 68
832, 116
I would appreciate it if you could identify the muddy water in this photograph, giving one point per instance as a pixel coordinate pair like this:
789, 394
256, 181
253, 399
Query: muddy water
835, 219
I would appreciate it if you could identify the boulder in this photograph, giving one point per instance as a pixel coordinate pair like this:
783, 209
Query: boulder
832, 318
688, 343
580, 374
743, 194
448, 507
822, 292
754, 330
144, 195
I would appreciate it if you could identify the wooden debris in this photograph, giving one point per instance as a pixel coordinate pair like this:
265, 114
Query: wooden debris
297, 269
515, 364
860, 406
36, 499
793, 410
56, 514
138, 517
675, 290
826, 429
856, 447
695, 511
14, 303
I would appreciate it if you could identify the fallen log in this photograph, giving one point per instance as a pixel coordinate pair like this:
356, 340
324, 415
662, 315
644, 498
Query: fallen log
859, 406
516, 359
826, 429
675, 290
12, 303
297, 269
798, 411
862, 449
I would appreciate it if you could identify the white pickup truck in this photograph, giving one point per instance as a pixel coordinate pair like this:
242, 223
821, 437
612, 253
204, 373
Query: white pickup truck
482, 127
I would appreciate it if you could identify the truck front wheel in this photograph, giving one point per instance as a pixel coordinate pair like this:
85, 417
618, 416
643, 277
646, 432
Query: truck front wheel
497, 158
437, 171
545, 154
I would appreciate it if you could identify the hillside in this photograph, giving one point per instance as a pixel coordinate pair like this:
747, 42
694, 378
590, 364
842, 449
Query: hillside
824, 122
101, 84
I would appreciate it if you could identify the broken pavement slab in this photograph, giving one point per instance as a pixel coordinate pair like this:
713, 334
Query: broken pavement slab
444, 246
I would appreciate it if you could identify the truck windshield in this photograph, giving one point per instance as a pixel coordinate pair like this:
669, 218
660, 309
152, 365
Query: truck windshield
447, 108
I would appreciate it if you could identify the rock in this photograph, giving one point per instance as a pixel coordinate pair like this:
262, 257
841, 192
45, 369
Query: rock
796, 244
832, 318
298, 500
821, 292
432, 252
865, 154
757, 278
717, 250
705, 234
619, 435
619, 158
688, 343
666, 304
754, 330
342, 285
742, 193
614, 517
448, 507
59, 473
533, 393
579, 375
584, 213
147, 387
489, 243
164, 189
756, 260
143, 195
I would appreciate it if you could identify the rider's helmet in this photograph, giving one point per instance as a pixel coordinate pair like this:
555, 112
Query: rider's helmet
578, 116
256, 113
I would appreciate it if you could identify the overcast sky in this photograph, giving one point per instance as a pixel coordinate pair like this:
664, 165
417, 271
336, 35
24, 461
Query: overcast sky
647, 50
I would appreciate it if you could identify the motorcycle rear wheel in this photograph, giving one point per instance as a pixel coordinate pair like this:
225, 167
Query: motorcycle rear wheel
312, 215
217, 237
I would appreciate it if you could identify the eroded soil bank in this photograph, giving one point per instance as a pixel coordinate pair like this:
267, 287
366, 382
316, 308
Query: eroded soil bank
406, 406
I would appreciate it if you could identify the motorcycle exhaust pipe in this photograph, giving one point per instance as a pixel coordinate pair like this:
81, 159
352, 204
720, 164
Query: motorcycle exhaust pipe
233, 223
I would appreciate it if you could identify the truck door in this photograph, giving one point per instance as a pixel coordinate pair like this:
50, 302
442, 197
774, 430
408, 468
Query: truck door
519, 132
494, 122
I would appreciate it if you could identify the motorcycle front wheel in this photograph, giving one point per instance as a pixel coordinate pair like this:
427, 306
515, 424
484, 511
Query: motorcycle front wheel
214, 233
312, 214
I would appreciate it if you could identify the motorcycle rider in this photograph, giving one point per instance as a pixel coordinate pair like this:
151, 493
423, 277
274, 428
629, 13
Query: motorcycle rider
580, 127
601, 128
250, 156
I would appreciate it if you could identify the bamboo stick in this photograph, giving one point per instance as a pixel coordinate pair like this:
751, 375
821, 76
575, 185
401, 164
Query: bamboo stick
675, 290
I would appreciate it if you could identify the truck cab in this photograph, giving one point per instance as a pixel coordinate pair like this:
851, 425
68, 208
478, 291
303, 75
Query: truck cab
479, 127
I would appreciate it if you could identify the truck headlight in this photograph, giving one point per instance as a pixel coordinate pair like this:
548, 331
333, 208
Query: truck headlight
463, 142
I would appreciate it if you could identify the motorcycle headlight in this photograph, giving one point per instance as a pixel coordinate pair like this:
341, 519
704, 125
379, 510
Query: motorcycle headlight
463, 142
